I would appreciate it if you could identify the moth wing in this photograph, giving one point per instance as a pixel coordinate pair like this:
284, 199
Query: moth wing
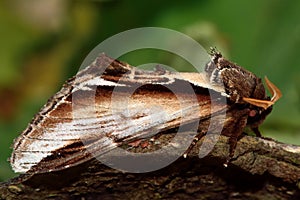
97, 138
60, 141
88, 116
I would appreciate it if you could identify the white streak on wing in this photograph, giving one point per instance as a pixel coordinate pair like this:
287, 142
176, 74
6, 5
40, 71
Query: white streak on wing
101, 82
96, 81
200, 79
80, 128
138, 125
26, 160
45, 145
157, 120
35, 152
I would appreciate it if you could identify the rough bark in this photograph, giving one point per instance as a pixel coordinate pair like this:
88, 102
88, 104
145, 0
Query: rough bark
260, 169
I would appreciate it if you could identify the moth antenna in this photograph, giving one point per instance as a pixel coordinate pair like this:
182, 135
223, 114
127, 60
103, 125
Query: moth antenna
276, 94
259, 103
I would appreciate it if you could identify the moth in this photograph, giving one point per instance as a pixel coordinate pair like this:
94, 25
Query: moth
54, 138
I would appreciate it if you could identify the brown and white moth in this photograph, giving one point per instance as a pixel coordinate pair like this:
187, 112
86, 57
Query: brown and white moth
54, 138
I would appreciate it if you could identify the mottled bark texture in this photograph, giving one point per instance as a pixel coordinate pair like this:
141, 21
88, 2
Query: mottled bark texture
260, 169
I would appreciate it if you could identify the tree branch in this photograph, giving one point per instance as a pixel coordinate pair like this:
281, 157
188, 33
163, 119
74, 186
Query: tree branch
261, 168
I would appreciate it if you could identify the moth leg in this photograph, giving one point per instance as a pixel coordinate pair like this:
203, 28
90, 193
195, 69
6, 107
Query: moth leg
195, 140
256, 131
135, 143
232, 145
143, 143
258, 134
234, 131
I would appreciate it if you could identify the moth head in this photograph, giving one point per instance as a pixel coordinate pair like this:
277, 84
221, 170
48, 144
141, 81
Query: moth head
265, 104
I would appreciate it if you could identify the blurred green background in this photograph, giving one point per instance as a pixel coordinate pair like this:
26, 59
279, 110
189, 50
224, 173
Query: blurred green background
43, 42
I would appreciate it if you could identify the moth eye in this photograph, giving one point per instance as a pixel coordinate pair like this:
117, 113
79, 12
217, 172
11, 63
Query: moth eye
252, 113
